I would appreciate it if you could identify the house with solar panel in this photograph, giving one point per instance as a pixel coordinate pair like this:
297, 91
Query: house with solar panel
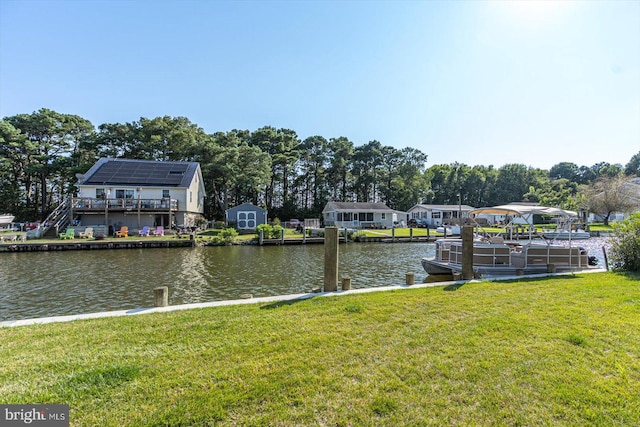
138, 193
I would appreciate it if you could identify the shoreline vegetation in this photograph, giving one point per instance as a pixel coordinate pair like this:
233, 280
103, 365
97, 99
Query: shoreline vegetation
562, 350
209, 237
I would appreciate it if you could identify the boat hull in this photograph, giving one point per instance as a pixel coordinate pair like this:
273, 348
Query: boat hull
580, 235
6, 219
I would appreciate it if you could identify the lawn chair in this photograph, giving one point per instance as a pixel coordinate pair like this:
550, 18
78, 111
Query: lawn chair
123, 232
87, 233
144, 231
69, 233
159, 231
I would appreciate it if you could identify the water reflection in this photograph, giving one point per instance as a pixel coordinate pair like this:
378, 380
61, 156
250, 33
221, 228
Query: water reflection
59, 283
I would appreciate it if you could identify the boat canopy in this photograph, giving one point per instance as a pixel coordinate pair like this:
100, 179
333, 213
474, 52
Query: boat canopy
523, 210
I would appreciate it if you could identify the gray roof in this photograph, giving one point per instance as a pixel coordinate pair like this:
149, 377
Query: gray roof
356, 206
443, 207
143, 173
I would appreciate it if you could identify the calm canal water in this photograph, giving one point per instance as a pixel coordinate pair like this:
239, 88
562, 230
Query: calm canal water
61, 283
39, 284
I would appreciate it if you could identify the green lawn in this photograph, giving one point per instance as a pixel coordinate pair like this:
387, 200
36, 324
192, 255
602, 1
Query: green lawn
561, 351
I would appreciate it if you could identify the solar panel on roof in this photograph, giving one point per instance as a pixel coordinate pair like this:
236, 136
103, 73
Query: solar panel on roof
139, 173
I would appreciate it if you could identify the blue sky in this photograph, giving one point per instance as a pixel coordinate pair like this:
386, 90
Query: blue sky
476, 82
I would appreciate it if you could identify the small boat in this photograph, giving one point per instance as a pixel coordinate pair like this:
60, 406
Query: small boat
566, 235
495, 257
449, 230
506, 259
6, 220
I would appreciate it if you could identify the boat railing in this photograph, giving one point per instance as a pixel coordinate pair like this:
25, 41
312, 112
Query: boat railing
573, 256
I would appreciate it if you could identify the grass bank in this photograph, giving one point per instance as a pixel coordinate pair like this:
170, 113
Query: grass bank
558, 351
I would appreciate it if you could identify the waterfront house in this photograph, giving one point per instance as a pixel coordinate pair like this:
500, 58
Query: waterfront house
362, 215
246, 216
138, 193
437, 215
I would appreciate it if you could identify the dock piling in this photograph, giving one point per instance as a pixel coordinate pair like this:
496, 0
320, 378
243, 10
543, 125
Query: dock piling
331, 259
161, 296
410, 278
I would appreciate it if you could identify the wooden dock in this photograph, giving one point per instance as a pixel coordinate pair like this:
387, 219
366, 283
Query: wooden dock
78, 245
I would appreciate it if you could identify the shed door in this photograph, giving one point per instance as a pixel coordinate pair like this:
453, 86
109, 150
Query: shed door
246, 220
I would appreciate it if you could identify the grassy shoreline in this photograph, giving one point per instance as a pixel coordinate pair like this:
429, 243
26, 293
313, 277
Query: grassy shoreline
553, 351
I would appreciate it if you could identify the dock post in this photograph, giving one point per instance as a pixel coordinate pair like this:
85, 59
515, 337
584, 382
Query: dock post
551, 268
282, 236
606, 261
330, 259
467, 252
346, 283
410, 278
346, 239
161, 296
393, 234
304, 234
261, 239
411, 234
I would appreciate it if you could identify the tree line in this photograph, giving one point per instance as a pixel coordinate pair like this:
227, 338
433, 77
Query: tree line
41, 153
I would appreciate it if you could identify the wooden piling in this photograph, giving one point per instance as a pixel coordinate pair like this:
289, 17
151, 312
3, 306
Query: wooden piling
551, 268
161, 296
606, 261
346, 283
410, 278
467, 252
330, 259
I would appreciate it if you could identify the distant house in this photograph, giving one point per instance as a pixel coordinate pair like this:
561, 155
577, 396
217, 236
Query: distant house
436, 215
138, 193
246, 216
361, 215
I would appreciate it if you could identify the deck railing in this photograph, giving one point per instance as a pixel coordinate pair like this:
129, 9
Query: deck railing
79, 204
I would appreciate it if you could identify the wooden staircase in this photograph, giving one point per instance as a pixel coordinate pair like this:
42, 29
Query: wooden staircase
57, 220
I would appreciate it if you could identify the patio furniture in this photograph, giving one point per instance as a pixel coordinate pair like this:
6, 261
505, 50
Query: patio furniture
159, 231
87, 233
144, 231
123, 232
69, 233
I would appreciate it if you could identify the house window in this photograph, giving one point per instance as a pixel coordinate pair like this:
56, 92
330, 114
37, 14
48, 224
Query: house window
124, 194
436, 215
100, 194
348, 216
339, 216
365, 216
165, 194
383, 216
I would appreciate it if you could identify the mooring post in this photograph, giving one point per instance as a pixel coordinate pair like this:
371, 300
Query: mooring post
411, 234
393, 234
467, 252
345, 235
282, 236
261, 239
346, 283
161, 296
551, 268
330, 259
304, 234
410, 278
606, 261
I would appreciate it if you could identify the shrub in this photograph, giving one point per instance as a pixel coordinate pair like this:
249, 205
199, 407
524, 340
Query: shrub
276, 231
266, 230
228, 236
625, 247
